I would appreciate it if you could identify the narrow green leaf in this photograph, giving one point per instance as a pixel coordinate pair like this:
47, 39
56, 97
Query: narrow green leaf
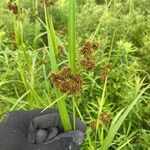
53, 34
72, 34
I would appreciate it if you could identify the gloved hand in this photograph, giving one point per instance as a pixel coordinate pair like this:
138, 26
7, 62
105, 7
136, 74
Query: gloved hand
33, 130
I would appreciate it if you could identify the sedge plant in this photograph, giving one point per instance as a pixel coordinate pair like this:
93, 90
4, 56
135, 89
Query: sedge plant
53, 50
53, 47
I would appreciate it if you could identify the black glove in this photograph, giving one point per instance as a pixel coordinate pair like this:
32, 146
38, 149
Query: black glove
33, 130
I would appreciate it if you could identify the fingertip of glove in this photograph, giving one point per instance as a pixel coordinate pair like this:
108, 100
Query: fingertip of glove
75, 136
78, 137
80, 125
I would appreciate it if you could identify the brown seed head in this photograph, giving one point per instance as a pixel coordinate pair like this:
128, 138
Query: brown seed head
95, 45
103, 74
93, 124
12, 6
87, 63
67, 82
105, 117
88, 47
56, 79
65, 72
14, 45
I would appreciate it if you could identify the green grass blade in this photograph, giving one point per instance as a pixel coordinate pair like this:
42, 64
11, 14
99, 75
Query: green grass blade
53, 34
115, 128
72, 34
54, 66
116, 118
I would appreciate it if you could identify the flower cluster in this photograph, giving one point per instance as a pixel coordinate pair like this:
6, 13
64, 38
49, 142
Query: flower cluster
93, 124
87, 63
12, 6
14, 45
103, 74
67, 81
87, 50
105, 117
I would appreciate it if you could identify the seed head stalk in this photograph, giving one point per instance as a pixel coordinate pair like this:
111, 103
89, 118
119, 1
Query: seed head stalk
72, 34
72, 46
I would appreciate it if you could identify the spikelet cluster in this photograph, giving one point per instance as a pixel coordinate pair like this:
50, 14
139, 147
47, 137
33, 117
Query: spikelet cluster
12, 6
87, 51
67, 81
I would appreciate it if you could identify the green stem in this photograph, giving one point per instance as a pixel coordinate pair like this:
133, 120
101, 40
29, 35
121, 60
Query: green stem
72, 34
72, 46
74, 113
63, 112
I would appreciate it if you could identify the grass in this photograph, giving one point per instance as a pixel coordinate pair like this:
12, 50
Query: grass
53, 50
72, 34
114, 102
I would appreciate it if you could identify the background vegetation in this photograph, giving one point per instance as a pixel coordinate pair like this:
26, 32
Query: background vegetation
120, 77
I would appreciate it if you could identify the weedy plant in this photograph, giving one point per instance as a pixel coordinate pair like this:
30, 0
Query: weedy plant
53, 49
65, 81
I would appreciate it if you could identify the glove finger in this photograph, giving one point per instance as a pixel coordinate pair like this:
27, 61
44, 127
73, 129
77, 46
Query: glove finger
68, 140
75, 136
79, 125
46, 121
43, 122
